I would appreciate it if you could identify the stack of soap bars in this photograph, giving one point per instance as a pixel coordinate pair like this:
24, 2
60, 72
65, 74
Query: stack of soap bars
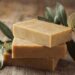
39, 44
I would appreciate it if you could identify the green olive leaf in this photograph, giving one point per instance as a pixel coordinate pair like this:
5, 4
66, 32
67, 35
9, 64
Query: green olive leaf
57, 20
6, 30
1, 42
61, 13
43, 19
4, 47
71, 21
8, 47
1, 57
1, 61
49, 14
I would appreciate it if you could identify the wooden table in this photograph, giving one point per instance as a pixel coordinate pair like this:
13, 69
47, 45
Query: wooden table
19, 11
64, 67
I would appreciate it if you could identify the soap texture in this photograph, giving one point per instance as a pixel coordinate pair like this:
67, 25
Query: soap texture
35, 63
41, 32
26, 49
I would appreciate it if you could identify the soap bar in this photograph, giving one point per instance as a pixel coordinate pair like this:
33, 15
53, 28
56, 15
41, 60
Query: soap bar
35, 63
26, 49
41, 32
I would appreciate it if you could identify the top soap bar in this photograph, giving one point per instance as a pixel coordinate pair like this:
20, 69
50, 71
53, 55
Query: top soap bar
41, 32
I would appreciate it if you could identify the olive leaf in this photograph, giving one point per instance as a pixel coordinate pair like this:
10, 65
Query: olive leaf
1, 42
48, 14
4, 46
8, 46
1, 61
1, 56
6, 30
9, 41
57, 20
61, 13
71, 21
58, 15
43, 18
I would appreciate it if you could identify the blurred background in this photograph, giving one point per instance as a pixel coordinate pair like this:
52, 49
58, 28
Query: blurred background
17, 10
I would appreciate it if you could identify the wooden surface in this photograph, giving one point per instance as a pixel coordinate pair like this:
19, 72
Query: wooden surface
26, 9
64, 67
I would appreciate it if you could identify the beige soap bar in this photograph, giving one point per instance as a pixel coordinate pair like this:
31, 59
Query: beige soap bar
26, 49
35, 63
41, 32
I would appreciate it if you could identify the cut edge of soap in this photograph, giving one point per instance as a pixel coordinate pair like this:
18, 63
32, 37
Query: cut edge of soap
53, 62
16, 47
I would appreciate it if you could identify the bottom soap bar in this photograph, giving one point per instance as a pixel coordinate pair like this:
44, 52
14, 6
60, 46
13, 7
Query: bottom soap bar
36, 63
26, 49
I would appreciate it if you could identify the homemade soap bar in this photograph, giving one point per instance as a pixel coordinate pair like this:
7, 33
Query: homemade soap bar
41, 32
35, 63
26, 49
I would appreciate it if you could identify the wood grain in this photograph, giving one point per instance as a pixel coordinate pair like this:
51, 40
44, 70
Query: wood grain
64, 68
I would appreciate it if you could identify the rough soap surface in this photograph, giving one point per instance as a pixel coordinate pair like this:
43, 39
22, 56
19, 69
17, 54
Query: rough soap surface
26, 49
41, 32
36, 63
